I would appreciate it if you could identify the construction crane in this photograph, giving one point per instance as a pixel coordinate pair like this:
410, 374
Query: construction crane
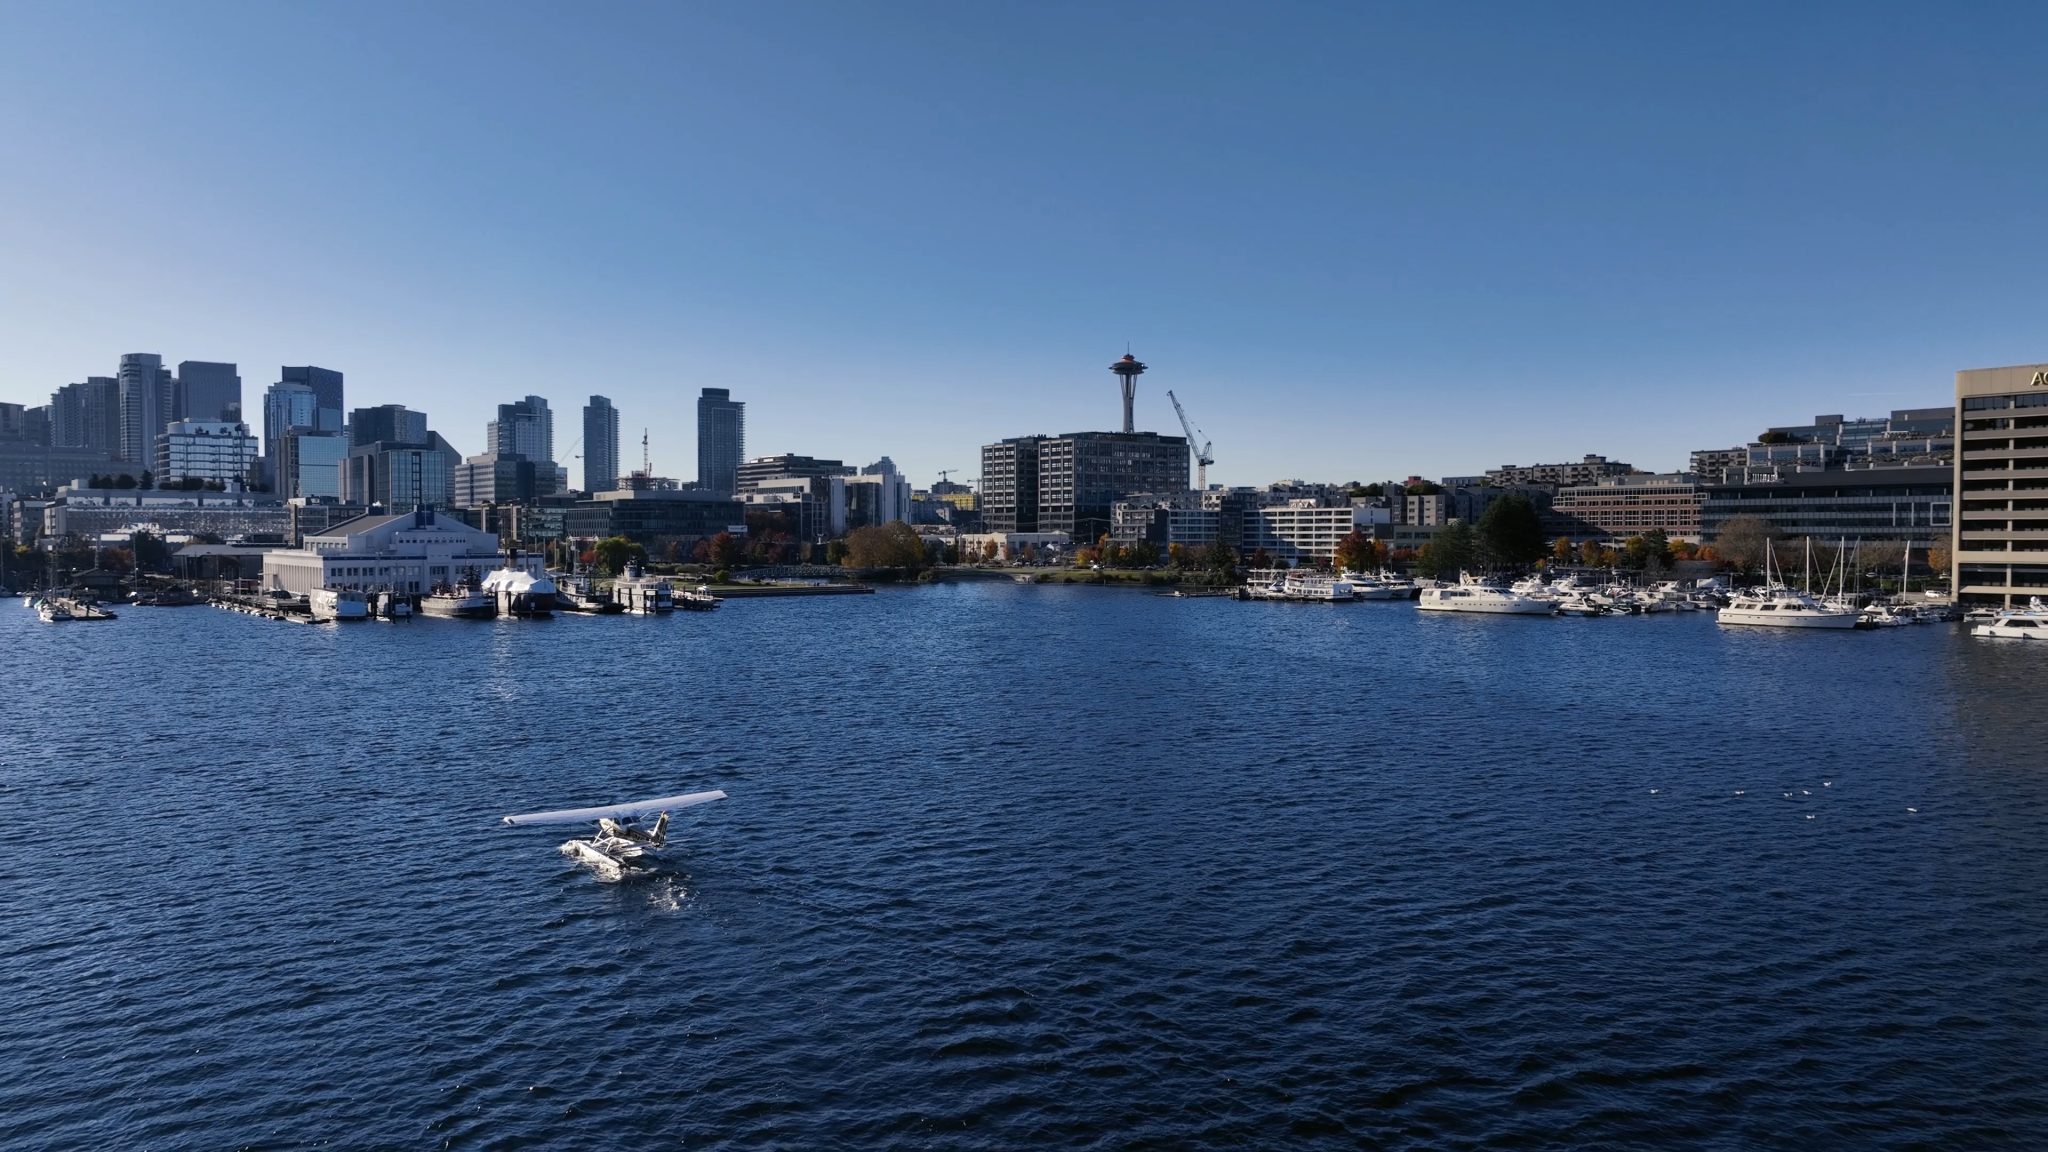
946, 474
1203, 457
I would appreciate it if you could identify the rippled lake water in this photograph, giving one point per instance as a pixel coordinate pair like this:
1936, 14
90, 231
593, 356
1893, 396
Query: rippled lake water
1015, 867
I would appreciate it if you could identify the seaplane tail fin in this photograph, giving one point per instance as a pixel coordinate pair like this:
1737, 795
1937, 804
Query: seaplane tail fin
616, 811
659, 835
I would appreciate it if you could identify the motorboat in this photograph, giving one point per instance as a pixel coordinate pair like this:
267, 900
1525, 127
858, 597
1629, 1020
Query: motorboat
1368, 586
464, 602
698, 599
2029, 623
578, 593
642, 594
518, 592
338, 604
621, 846
1578, 604
51, 611
1779, 607
1887, 616
392, 606
1471, 594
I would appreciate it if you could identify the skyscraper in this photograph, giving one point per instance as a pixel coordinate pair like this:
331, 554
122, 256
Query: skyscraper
87, 415
600, 445
525, 428
287, 405
146, 405
208, 392
326, 386
386, 423
721, 440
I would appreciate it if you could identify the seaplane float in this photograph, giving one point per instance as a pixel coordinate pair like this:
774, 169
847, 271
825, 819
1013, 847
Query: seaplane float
622, 845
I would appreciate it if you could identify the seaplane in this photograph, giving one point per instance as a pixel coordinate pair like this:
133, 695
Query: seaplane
622, 846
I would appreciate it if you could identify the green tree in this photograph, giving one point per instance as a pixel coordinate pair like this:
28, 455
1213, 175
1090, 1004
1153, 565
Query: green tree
1452, 550
835, 552
147, 482
124, 481
1510, 533
613, 553
1742, 542
1648, 551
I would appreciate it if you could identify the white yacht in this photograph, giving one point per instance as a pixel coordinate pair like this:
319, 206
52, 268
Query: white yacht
1369, 587
391, 606
1470, 594
338, 604
517, 592
1578, 604
2029, 623
1778, 607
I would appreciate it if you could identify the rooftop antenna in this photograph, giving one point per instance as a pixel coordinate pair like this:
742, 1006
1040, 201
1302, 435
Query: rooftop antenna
646, 465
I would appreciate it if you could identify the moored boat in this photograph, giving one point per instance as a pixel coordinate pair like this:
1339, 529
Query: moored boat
517, 592
339, 604
641, 593
463, 602
1471, 594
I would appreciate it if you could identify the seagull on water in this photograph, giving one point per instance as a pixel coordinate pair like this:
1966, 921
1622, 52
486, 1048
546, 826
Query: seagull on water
1738, 791
1912, 810
1804, 792
1827, 783
1809, 815
1654, 791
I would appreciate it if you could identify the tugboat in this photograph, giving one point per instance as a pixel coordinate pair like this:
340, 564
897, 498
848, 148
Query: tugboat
698, 599
466, 602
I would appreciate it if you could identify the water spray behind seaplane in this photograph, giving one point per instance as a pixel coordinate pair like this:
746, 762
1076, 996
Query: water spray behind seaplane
622, 846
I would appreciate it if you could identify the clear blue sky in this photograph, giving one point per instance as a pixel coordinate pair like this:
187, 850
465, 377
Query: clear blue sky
1359, 241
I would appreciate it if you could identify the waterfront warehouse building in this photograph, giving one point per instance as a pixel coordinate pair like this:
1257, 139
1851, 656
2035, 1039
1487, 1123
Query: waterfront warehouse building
409, 552
1999, 541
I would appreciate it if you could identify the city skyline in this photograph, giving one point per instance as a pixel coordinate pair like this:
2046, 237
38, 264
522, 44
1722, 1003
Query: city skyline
1355, 244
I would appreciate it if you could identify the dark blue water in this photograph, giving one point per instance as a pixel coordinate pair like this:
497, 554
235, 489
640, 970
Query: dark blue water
1009, 867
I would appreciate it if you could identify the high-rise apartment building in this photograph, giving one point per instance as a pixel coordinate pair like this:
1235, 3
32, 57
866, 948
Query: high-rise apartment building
1009, 484
524, 428
721, 441
1999, 541
287, 405
147, 402
207, 391
87, 415
325, 384
210, 450
600, 445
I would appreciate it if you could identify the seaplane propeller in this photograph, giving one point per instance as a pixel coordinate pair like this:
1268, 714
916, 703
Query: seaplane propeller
621, 845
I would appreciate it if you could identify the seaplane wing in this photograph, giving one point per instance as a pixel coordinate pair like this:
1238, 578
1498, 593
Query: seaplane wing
616, 811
